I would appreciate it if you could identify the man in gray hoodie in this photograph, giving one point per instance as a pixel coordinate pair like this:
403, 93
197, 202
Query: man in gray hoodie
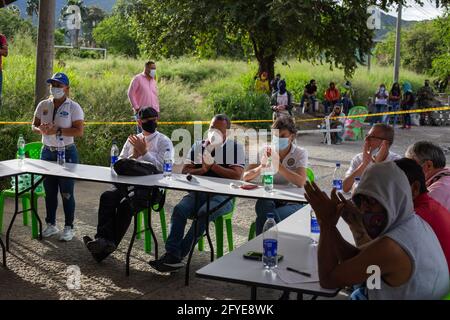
399, 244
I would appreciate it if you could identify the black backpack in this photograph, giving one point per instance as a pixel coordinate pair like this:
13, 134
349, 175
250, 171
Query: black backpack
139, 197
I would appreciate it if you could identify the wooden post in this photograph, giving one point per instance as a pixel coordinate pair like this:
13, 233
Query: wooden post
44, 55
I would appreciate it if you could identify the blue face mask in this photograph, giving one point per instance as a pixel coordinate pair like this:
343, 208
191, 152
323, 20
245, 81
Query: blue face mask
281, 143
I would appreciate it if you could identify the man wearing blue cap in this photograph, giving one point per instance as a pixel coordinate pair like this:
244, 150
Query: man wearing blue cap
59, 118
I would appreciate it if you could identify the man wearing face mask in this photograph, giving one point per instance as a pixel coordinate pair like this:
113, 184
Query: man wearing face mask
143, 91
376, 149
432, 159
281, 101
405, 249
114, 214
217, 157
55, 118
292, 161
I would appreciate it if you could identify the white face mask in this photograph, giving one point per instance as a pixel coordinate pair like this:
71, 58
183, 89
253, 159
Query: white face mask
153, 73
57, 93
214, 137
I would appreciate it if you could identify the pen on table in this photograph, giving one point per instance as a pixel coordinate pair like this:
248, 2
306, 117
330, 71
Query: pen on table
299, 272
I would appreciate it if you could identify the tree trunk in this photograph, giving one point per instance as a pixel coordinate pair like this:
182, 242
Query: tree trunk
267, 64
44, 56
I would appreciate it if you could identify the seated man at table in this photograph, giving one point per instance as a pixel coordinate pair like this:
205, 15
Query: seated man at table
376, 150
292, 161
114, 213
215, 157
425, 206
431, 158
403, 250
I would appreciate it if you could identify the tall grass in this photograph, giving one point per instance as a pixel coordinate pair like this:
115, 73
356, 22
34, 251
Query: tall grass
190, 89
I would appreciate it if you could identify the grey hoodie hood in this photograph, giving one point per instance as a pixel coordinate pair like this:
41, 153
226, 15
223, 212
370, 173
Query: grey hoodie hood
388, 184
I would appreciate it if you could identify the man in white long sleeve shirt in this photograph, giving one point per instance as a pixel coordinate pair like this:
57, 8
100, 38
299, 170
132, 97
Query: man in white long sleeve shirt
115, 214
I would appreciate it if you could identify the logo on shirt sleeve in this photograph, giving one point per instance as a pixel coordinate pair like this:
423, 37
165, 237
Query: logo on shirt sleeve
45, 112
291, 162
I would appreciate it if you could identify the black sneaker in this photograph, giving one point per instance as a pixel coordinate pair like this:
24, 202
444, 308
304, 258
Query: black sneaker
99, 248
167, 263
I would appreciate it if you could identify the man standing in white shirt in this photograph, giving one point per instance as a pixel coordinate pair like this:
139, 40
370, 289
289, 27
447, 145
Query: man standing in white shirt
114, 213
376, 149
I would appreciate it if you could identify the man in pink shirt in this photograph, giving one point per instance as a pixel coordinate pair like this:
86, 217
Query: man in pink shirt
432, 160
143, 92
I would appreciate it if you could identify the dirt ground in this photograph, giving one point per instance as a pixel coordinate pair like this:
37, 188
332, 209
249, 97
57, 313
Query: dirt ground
39, 269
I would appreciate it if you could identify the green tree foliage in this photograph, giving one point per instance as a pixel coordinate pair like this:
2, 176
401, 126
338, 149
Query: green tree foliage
333, 32
115, 34
420, 44
441, 64
32, 8
11, 24
425, 48
94, 15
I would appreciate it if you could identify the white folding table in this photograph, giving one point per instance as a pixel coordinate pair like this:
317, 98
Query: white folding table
294, 244
199, 184
6, 172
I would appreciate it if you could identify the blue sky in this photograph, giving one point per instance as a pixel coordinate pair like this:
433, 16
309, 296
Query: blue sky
416, 12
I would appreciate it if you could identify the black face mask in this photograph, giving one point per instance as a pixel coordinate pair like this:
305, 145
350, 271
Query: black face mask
149, 126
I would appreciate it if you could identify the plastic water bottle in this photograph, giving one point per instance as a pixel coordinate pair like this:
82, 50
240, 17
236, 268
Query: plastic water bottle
356, 184
268, 176
61, 152
114, 154
338, 177
21, 147
270, 242
168, 164
315, 228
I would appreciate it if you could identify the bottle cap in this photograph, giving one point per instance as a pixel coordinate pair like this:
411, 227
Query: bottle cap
358, 179
338, 164
270, 215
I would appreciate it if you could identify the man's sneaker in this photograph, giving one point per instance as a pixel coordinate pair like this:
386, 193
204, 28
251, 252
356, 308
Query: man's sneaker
50, 230
167, 263
99, 248
67, 234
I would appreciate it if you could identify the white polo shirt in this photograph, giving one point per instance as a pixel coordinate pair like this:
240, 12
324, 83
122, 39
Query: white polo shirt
358, 159
65, 115
296, 158
157, 144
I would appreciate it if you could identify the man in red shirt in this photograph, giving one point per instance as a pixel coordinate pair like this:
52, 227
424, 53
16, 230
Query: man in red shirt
3, 53
332, 96
437, 216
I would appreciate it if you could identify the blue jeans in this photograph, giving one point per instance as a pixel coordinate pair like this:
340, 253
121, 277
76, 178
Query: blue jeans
379, 108
263, 207
65, 186
347, 104
407, 116
394, 106
312, 100
179, 245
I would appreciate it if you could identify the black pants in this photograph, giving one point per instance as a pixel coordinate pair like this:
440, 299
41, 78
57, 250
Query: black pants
114, 216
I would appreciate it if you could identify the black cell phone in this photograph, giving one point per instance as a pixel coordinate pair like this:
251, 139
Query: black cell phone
255, 255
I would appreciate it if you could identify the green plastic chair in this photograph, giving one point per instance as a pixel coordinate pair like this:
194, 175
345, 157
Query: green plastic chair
218, 223
252, 232
357, 131
33, 151
143, 215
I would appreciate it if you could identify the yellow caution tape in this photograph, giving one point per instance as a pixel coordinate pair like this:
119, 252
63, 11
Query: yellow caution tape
444, 108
